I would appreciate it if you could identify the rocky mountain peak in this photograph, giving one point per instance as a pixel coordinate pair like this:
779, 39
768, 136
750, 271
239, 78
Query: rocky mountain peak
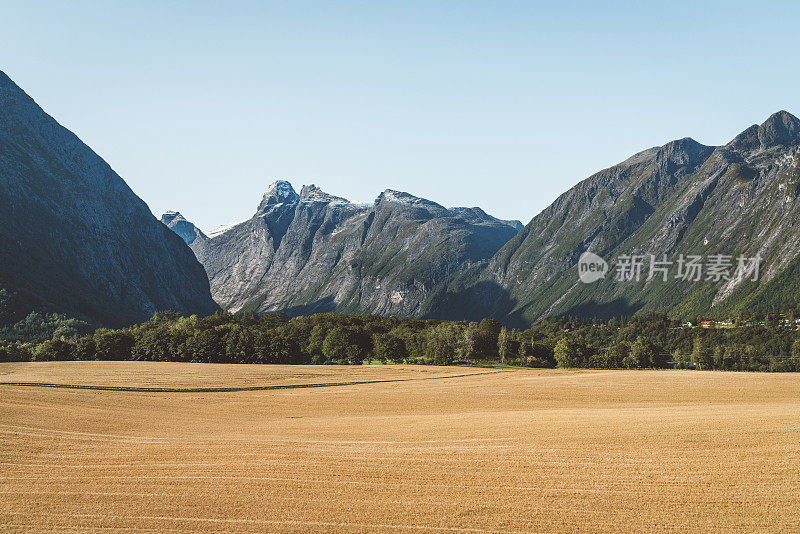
478, 215
172, 216
312, 193
684, 151
401, 197
781, 128
279, 192
687, 145
178, 224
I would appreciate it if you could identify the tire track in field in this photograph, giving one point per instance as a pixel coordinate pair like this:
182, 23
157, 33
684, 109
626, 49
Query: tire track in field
229, 389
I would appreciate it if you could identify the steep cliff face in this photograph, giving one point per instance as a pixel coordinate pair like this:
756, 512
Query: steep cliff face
318, 252
740, 199
74, 237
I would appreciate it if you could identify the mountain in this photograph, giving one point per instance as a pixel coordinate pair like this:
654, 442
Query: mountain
739, 199
75, 239
318, 252
178, 224
409, 256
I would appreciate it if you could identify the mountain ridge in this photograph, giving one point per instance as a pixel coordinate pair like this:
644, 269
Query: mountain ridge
341, 255
662, 200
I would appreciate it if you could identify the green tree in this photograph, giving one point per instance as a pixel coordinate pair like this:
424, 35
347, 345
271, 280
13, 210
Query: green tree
85, 348
796, 349
543, 354
468, 346
772, 320
152, 344
207, 346
616, 354
793, 364
702, 354
441, 343
240, 344
504, 344
570, 352
730, 358
279, 347
113, 345
341, 345
15, 352
486, 339
54, 350
645, 353
524, 351
389, 348
316, 340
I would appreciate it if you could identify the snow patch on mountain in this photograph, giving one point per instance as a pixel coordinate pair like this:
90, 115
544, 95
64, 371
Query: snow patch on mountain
225, 228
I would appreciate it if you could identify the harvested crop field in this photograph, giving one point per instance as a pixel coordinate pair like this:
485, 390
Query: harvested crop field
395, 448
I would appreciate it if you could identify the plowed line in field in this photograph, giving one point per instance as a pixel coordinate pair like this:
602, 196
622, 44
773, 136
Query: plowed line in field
235, 389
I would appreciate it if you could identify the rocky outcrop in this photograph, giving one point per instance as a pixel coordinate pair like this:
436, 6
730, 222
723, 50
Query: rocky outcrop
74, 236
318, 252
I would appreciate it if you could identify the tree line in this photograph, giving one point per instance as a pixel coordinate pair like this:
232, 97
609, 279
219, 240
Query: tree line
653, 341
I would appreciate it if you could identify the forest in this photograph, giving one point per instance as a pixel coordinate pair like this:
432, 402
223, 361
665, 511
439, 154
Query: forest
749, 343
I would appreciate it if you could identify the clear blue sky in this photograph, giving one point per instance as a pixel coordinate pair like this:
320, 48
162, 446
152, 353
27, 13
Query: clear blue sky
505, 105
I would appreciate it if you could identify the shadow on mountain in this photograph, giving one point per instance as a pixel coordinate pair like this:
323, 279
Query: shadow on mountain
602, 310
485, 299
323, 305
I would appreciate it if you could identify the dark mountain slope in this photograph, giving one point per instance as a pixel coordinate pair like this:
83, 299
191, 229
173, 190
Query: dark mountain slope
74, 237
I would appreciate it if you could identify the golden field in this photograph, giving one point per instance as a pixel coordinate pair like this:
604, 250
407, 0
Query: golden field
435, 449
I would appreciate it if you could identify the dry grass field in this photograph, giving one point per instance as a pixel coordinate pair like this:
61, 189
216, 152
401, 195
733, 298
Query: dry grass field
435, 450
